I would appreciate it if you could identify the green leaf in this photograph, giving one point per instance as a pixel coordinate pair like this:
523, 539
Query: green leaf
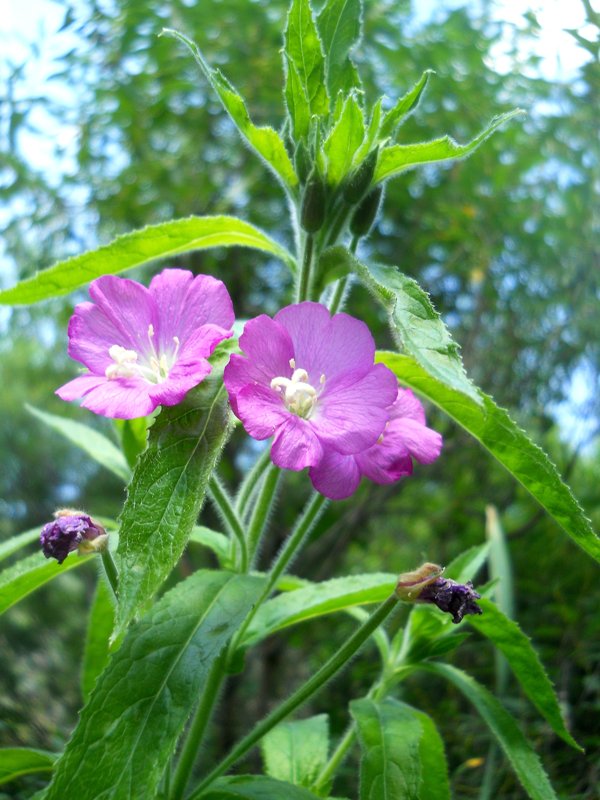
17, 761
399, 157
296, 751
10, 546
416, 324
318, 599
372, 134
500, 568
255, 787
95, 444
390, 738
396, 115
524, 662
129, 728
465, 566
297, 102
27, 575
303, 50
167, 491
523, 759
264, 140
496, 431
215, 541
133, 434
100, 624
339, 24
344, 140
434, 768
137, 248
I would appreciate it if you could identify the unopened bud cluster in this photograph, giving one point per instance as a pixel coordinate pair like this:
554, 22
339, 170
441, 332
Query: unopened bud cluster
426, 585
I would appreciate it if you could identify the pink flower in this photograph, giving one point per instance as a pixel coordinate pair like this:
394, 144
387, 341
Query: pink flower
309, 380
145, 347
405, 437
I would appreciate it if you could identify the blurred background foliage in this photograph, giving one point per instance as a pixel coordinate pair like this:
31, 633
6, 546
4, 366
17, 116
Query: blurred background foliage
504, 242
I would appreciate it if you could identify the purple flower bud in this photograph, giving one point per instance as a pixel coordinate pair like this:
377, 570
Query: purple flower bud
68, 532
457, 599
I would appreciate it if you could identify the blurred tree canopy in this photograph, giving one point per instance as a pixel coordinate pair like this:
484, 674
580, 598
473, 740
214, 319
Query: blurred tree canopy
506, 243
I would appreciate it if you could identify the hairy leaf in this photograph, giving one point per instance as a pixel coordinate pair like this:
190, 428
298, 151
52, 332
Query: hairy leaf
524, 662
139, 706
137, 248
465, 566
255, 787
523, 759
303, 50
435, 784
399, 157
339, 26
297, 102
389, 737
95, 444
100, 624
318, 599
497, 432
344, 140
215, 541
167, 491
27, 575
296, 751
17, 761
264, 139
404, 106
416, 324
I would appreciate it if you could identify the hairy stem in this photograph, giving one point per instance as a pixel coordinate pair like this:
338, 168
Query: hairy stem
227, 511
197, 729
336, 663
249, 483
110, 568
264, 503
305, 269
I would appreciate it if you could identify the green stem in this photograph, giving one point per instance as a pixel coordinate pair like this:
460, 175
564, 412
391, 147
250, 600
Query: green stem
197, 729
337, 297
339, 660
223, 503
262, 508
339, 754
313, 510
110, 569
249, 483
305, 269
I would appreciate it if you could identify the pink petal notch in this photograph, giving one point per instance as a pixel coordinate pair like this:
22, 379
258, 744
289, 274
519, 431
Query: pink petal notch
145, 347
309, 380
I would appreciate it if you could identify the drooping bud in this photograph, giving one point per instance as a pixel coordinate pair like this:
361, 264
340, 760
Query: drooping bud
457, 599
426, 585
71, 530
312, 212
359, 181
366, 212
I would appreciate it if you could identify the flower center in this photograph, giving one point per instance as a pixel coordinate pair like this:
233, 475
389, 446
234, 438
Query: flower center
154, 368
299, 395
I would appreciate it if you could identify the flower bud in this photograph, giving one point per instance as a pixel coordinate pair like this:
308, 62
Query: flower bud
358, 183
302, 162
365, 213
425, 585
71, 530
312, 212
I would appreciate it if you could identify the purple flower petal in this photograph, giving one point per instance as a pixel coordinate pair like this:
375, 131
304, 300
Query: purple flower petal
421, 442
261, 410
186, 303
182, 378
268, 348
91, 335
78, 387
408, 406
335, 476
386, 462
325, 345
295, 445
124, 398
129, 306
351, 413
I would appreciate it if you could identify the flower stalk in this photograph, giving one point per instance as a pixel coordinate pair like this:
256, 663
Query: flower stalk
331, 667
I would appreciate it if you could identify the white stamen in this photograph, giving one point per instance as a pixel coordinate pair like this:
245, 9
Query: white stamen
299, 395
125, 363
